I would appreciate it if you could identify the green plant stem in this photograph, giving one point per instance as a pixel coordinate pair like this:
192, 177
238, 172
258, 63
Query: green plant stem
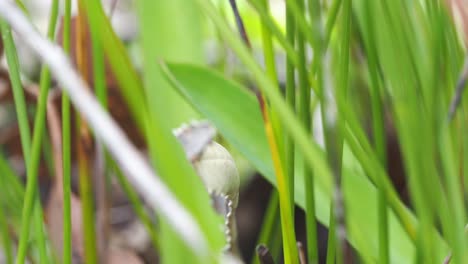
25, 136
66, 149
319, 48
41, 237
31, 201
268, 51
301, 22
268, 22
15, 192
4, 230
314, 10
272, 212
305, 117
331, 19
378, 134
99, 76
31, 194
100, 180
270, 67
87, 204
291, 101
21, 111
268, 225
336, 161
457, 239
17, 88
414, 126
290, 251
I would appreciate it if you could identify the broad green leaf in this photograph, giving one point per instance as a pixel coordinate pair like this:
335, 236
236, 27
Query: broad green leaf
236, 114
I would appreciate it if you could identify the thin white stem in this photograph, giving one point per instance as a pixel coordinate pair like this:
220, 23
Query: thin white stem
139, 173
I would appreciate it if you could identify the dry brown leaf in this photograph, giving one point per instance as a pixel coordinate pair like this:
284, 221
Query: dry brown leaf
116, 103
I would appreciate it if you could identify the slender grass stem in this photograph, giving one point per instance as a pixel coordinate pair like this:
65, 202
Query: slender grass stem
378, 134
66, 149
268, 225
86, 195
270, 67
291, 101
268, 22
268, 50
455, 198
17, 87
25, 134
331, 19
4, 230
303, 106
267, 234
100, 180
31, 186
301, 22
343, 254
287, 224
31, 154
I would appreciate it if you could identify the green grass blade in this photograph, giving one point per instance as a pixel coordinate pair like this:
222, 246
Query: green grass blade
290, 98
378, 132
304, 111
268, 225
4, 230
269, 23
31, 200
17, 87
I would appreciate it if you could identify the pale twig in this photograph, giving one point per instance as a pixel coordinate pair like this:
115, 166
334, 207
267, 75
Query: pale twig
139, 173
